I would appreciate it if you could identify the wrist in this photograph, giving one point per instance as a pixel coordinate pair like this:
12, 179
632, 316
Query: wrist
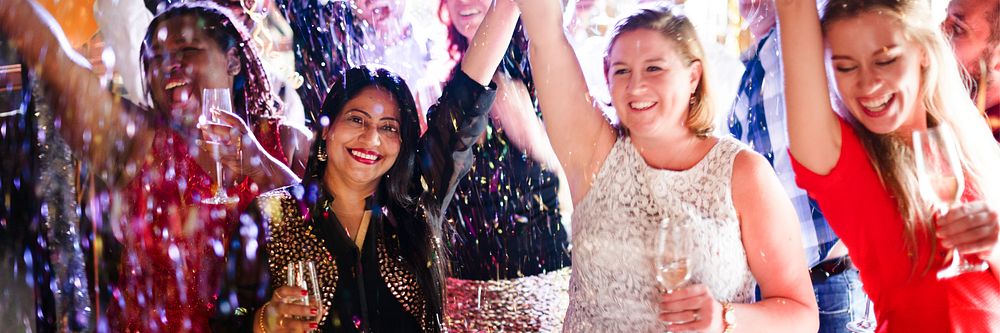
259, 319
728, 318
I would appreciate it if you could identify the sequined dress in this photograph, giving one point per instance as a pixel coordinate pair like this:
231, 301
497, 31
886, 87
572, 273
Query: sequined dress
613, 286
174, 245
381, 286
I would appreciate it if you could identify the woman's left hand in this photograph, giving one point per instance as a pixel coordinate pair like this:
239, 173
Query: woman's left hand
691, 308
973, 228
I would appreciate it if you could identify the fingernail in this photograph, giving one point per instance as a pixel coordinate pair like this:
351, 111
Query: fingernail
313, 311
313, 325
305, 293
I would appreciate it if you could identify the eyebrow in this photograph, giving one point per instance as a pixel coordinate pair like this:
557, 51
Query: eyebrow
645, 61
370, 116
961, 20
883, 50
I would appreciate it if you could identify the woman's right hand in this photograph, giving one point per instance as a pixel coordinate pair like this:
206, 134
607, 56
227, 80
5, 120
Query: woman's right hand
282, 314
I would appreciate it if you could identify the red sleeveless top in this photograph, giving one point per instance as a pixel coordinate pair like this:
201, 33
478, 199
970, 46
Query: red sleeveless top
907, 297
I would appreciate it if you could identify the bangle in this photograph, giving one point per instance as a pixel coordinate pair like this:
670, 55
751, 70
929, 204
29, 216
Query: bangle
728, 319
260, 317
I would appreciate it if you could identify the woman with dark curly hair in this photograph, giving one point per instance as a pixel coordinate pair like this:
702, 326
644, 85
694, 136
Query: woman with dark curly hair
172, 243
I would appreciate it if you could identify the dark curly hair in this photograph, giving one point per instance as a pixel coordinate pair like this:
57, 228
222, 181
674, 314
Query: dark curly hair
251, 83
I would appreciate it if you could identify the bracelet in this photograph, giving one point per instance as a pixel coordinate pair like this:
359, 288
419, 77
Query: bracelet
728, 320
260, 317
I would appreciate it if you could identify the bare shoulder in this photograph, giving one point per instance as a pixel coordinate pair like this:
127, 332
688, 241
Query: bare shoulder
289, 132
296, 141
750, 165
754, 184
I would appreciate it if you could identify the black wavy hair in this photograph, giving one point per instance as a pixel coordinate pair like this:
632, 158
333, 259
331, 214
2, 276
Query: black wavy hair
394, 191
396, 183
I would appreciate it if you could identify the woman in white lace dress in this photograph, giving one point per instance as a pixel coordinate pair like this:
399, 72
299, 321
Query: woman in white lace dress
662, 162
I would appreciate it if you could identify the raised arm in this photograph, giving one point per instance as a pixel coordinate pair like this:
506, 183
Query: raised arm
487, 47
93, 120
813, 128
578, 130
458, 119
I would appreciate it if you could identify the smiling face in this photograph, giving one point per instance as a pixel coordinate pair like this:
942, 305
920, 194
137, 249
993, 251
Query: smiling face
467, 15
181, 61
651, 83
364, 141
879, 74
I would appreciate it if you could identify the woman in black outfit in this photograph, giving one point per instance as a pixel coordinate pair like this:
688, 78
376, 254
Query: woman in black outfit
369, 212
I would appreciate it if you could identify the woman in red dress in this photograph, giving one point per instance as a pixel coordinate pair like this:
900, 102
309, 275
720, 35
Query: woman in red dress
173, 253
894, 75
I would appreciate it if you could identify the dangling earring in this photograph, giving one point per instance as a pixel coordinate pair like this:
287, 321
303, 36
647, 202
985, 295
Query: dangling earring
321, 155
691, 101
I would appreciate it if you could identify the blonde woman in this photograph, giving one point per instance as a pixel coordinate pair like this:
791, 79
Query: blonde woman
661, 162
894, 74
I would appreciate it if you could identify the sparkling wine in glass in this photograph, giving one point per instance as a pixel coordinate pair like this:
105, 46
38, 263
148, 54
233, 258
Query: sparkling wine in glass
302, 274
672, 251
941, 182
216, 99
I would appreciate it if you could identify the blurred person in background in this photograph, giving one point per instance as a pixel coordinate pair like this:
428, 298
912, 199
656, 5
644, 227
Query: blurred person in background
973, 26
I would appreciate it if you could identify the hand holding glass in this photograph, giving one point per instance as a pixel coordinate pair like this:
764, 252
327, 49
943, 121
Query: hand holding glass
941, 182
211, 100
302, 274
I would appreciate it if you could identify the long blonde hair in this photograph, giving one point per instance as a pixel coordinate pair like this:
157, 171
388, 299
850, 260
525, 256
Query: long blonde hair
946, 100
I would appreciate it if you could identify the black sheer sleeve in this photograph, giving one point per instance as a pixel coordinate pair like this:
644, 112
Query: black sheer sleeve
454, 123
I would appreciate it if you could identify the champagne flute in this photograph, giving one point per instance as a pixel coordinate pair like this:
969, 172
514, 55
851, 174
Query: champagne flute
672, 250
942, 182
302, 274
865, 324
216, 99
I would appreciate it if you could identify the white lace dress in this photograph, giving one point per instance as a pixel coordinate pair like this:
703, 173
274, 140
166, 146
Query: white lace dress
613, 286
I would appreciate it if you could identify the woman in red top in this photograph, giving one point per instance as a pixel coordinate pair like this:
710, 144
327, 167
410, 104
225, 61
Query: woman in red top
173, 244
894, 74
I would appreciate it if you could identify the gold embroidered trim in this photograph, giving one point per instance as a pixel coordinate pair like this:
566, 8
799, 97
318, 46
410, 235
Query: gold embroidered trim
291, 240
403, 284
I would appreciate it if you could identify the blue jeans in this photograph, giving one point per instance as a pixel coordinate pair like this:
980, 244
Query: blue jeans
841, 300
